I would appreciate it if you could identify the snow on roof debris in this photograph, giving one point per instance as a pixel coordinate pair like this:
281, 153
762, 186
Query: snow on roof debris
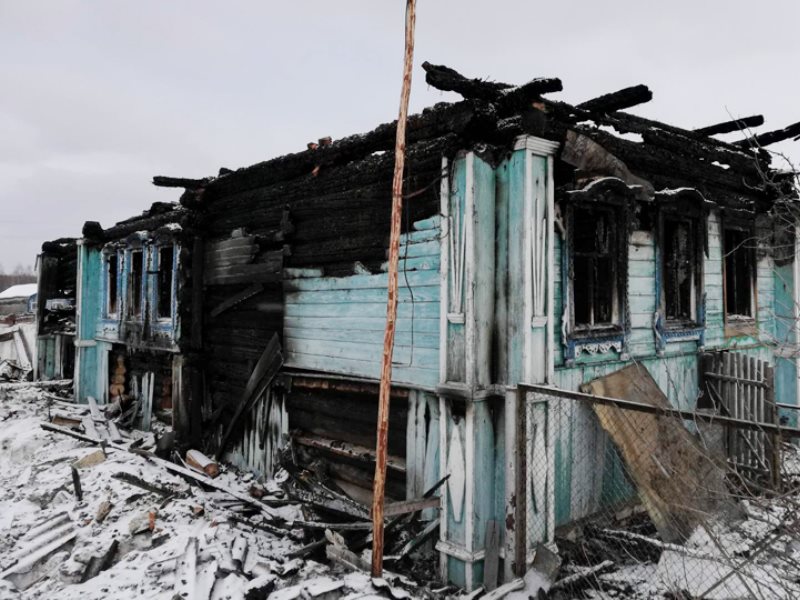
631, 137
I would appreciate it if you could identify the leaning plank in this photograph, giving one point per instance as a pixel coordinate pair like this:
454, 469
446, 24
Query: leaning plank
401, 508
264, 372
236, 299
677, 480
94, 410
418, 540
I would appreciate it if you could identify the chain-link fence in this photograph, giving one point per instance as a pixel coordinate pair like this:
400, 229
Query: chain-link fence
626, 499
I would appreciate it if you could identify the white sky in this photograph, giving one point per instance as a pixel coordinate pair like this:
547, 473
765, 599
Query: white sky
97, 97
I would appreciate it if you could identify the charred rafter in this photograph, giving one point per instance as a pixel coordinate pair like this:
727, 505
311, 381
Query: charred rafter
449, 80
508, 98
619, 100
731, 126
771, 137
180, 182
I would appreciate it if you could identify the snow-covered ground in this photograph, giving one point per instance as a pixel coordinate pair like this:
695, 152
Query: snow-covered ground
185, 543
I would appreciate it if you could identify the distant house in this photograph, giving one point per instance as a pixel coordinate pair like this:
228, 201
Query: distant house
18, 299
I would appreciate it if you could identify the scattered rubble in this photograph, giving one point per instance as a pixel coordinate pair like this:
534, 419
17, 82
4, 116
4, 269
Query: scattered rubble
144, 527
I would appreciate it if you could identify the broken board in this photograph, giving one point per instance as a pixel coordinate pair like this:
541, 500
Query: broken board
678, 481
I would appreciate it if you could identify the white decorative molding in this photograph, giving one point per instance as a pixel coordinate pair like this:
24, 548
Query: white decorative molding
538, 146
602, 347
457, 470
539, 322
450, 549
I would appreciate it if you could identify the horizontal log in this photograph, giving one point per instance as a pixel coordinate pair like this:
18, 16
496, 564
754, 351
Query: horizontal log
449, 80
619, 100
771, 137
179, 182
466, 119
407, 506
731, 126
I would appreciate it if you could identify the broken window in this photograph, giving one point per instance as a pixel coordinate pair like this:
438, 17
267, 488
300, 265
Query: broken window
112, 269
135, 283
166, 255
594, 267
679, 265
739, 273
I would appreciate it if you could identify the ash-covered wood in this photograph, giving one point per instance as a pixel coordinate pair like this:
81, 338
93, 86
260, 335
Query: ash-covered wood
731, 126
179, 182
449, 80
619, 100
771, 137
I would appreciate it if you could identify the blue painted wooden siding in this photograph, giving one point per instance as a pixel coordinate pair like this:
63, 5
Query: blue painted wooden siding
90, 312
336, 324
588, 473
642, 304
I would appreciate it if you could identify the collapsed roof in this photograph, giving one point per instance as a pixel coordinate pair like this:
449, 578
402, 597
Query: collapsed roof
598, 139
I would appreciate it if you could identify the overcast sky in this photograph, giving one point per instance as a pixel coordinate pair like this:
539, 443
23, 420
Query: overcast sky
97, 97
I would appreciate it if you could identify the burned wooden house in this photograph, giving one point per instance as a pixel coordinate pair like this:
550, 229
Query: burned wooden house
543, 243
128, 328
57, 267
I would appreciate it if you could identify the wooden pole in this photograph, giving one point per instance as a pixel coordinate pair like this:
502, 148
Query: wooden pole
391, 304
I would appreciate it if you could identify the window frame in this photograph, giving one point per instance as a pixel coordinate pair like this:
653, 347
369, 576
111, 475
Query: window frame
120, 257
156, 250
619, 257
132, 313
741, 324
696, 219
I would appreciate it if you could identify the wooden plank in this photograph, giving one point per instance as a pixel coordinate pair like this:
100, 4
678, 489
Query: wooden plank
491, 558
418, 376
662, 457
352, 282
236, 299
265, 370
423, 325
94, 410
361, 351
418, 310
401, 508
427, 293
416, 339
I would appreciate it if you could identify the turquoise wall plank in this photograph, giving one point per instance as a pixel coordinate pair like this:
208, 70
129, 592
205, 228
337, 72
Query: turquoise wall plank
428, 293
401, 338
353, 282
336, 324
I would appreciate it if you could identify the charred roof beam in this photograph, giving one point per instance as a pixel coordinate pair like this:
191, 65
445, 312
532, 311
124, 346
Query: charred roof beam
620, 100
771, 137
731, 126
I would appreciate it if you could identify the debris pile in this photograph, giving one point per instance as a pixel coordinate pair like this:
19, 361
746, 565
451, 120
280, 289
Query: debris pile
98, 517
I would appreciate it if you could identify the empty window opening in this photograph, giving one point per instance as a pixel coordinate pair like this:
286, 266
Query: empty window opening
679, 269
135, 283
166, 255
112, 268
739, 274
594, 267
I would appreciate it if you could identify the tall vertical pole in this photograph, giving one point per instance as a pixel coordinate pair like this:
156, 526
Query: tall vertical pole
391, 304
